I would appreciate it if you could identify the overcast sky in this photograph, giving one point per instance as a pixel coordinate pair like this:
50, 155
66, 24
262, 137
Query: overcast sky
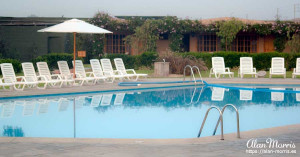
194, 9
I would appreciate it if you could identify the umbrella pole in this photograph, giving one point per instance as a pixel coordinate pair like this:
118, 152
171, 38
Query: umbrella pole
74, 57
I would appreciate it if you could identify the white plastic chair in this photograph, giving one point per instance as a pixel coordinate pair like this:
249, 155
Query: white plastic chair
97, 71
121, 67
297, 69
9, 77
52, 79
108, 70
119, 98
277, 96
5, 85
65, 73
218, 68
246, 95
84, 77
277, 67
246, 67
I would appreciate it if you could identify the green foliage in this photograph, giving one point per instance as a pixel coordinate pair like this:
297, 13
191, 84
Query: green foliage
16, 64
147, 58
228, 31
52, 59
279, 43
93, 44
261, 61
176, 42
294, 43
144, 39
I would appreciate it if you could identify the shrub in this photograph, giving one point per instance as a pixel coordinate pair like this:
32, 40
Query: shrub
178, 62
147, 59
52, 59
16, 64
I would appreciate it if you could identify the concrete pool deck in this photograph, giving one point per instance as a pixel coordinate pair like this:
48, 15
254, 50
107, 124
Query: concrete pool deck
114, 86
205, 146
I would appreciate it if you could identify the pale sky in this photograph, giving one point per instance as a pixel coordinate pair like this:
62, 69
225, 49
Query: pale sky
194, 9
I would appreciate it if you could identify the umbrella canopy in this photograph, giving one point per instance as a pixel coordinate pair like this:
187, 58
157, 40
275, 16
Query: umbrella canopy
75, 26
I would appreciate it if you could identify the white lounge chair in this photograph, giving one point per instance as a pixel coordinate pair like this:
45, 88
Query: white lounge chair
9, 76
52, 79
246, 67
277, 96
109, 72
246, 95
218, 68
277, 67
10, 85
297, 69
84, 77
121, 67
29, 74
65, 73
97, 71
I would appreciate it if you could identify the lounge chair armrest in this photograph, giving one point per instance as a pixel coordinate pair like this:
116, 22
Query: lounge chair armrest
270, 70
254, 70
294, 70
284, 69
42, 78
211, 70
228, 70
118, 72
133, 71
56, 76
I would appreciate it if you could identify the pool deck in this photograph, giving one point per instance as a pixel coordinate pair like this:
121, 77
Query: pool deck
205, 146
114, 86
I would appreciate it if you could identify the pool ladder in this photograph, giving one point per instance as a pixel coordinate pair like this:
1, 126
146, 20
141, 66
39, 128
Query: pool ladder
221, 120
192, 73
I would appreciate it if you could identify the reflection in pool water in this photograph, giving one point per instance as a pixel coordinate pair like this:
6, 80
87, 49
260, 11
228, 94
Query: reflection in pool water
167, 113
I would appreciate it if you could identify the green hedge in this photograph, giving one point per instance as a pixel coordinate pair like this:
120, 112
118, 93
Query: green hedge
146, 59
262, 61
16, 64
52, 59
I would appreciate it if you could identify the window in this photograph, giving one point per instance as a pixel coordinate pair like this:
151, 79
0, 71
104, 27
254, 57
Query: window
245, 43
207, 43
115, 43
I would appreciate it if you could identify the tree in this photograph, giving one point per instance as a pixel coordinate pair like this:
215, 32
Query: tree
228, 31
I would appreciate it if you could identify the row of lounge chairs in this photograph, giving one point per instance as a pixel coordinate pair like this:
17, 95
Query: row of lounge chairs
44, 79
246, 67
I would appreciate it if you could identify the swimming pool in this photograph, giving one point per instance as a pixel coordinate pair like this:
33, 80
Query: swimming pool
154, 113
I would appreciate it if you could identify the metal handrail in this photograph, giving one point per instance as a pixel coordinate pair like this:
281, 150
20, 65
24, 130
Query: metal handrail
192, 73
237, 119
220, 118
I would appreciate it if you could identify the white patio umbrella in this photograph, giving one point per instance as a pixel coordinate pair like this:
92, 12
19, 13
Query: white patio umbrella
75, 26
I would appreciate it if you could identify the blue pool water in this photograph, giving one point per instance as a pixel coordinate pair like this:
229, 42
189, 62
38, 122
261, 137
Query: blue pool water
155, 113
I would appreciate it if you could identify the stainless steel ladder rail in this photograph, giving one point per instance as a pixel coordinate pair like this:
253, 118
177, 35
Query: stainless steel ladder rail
237, 119
221, 120
192, 73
